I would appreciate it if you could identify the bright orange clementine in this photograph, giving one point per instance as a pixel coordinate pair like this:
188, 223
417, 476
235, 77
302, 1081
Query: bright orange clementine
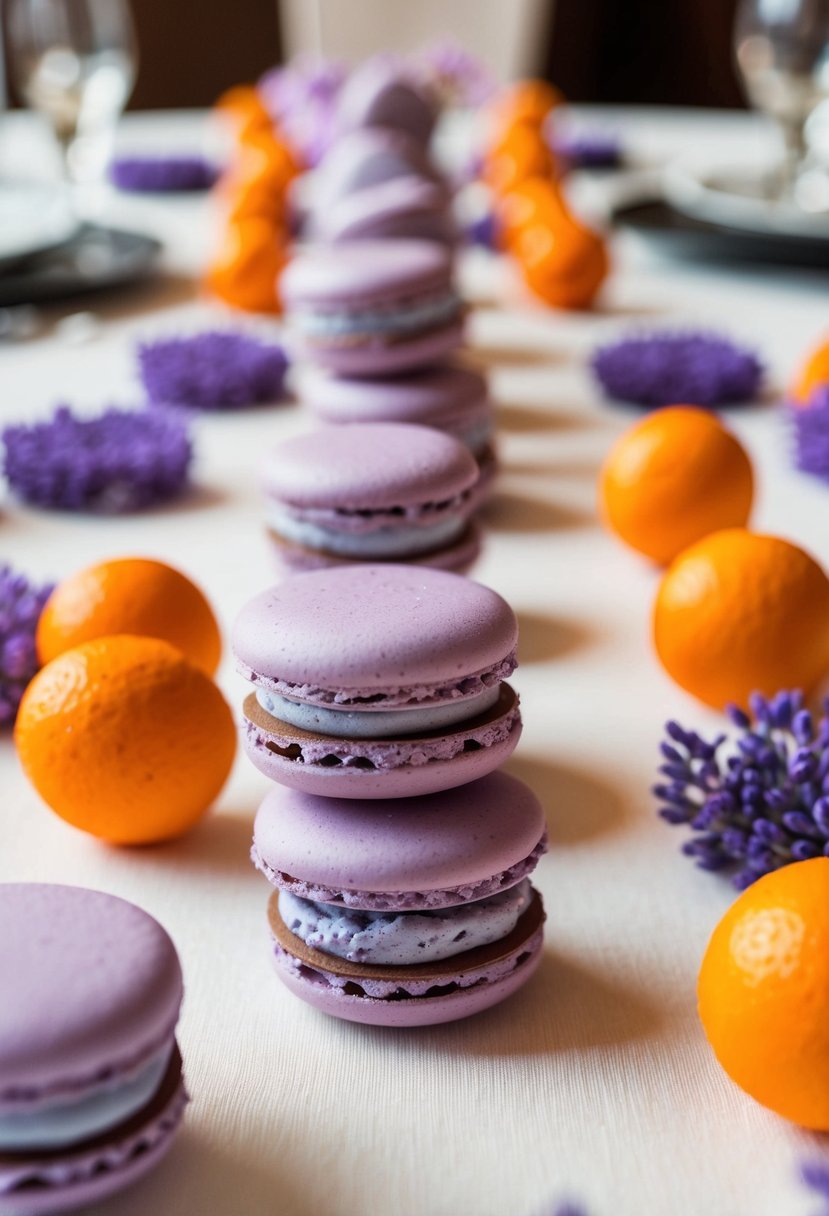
813, 374
527, 101
535, 200
244, 107
519, 153
130, 595
563, 262
246, 270
738, 612
671, 479
124, 738
763, 992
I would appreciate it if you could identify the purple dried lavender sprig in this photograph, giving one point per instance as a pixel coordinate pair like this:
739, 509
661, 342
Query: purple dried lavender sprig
302, 97
761, 805
459, 77
810, 429
815, 1175
163, 174
668, 368
212, 370
121, 460
21, 604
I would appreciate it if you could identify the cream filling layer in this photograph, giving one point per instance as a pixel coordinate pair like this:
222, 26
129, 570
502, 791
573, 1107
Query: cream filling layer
393, 319
399, 541
375, 724
66, 1123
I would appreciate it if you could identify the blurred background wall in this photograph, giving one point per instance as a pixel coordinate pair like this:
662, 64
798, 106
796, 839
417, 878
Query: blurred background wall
672, 52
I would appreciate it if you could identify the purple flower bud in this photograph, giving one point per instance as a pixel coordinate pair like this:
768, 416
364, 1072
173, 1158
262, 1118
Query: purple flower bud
804, 850
820, 813
803, 727
760, 708
20, 608
769, 832
735, 842
801, 825
737, 716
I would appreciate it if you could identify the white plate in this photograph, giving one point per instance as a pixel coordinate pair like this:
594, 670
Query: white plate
734, 196
32, 218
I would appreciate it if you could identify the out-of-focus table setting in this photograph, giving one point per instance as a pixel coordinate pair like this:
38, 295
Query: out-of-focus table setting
595, 1083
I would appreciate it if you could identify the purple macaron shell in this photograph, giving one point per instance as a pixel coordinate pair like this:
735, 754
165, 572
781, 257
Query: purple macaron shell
70, 1182
412, 634
448, 397
378, 357
380, 93
371, 157
485, 989
407, 207
363, 273
94, 990
371, 467
397, 768
458, 557
433, 852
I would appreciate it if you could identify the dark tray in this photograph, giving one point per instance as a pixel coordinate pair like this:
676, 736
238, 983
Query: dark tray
94, 259
685, 237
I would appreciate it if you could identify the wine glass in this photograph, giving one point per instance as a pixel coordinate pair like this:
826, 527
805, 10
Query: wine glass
782, 50
74, 61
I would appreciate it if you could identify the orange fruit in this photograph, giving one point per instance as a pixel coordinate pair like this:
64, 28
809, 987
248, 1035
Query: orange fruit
130, 595
258, 181
124, 738
813, 374
521, 152
244, 107
563, 262
246, 269
737, 613
535, 200
763, 992
527, 101
673, 478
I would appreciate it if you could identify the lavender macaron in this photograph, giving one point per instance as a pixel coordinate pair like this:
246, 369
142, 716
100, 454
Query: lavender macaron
378, 681
382, 93
371, 492
373, 308
91, 1089
447, 397
404, 914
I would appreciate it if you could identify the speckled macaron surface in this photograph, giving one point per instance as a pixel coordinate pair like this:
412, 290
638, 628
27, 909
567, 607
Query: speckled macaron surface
90, 1077
433, 852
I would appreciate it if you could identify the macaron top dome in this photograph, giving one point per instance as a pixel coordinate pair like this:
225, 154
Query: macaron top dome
429, 397
361, 273
369, 466
92, 987
400, 634
380, 93
461, 837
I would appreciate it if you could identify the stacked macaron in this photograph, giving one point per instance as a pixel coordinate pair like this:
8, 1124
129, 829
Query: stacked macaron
375, 316
401, 858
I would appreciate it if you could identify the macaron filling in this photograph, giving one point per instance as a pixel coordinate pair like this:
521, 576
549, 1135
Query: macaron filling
368, 722
144, 1134
392, 696
482, 965
495, 726
68, 1121
392, 320
404, 938
370, 534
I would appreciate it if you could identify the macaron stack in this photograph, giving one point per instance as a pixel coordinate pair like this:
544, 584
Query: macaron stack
400, 856
375, 317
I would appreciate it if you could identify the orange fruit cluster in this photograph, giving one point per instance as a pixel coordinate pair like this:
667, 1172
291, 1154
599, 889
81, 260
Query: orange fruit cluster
123, 733
256, 237
562, 261
763, 992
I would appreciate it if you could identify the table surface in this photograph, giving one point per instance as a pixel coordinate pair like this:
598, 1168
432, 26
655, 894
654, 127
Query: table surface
594, 1082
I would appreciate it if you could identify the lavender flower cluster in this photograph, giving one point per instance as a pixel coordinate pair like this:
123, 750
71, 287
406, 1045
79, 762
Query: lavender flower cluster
122, 460
20, 607
302, 98
810, 424
162, 174
671, 368
762, 805
212, 370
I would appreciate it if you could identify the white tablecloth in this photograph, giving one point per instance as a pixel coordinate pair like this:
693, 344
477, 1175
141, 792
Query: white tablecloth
594, 1082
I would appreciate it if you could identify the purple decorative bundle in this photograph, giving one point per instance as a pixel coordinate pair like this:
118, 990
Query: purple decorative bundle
21, 604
